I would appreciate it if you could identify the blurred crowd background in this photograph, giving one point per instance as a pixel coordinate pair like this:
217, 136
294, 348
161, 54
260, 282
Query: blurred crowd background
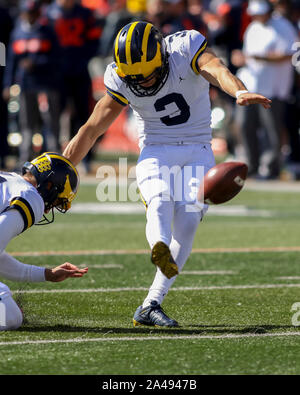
57, 52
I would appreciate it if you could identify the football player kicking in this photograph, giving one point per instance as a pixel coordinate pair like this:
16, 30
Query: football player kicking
50, 181
166, 83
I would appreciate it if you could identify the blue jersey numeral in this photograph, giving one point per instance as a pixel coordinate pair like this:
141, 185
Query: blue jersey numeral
179, 100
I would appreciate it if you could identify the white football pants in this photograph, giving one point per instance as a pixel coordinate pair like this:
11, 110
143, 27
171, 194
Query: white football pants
11, 316
168, 177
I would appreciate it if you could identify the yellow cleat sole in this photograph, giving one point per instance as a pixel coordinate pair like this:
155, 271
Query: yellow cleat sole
162, 258
135, 323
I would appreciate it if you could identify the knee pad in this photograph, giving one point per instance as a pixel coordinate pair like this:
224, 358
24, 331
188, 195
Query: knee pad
11, 317
4, 289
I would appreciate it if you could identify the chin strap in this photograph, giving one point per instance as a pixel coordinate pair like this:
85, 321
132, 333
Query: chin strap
46, 220
62, 208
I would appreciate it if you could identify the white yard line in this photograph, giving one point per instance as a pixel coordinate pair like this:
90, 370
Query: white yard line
209, 272
288, 278
150, 338
104, 266
138, 208
273, 186
128, 289
191, 272
142, 251
250, 185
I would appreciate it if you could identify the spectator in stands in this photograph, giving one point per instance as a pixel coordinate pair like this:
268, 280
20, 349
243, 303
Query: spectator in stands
6, 25
155, 12
268, 70
78, 34
33, 64
137, 8
176, 17
11, 7
290, 9
118, 17
281, 7
226, 35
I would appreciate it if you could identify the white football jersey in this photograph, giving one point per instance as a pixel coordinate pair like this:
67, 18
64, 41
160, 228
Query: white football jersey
17, 193
180, 112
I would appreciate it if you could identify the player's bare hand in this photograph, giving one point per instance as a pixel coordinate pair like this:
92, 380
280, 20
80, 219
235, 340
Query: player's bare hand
64, 271
253, 98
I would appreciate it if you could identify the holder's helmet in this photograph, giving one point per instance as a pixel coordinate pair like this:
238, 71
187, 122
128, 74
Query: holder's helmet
140, 55
57, 180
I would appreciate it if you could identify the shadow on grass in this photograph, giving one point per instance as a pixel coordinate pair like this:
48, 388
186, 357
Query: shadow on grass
188, 330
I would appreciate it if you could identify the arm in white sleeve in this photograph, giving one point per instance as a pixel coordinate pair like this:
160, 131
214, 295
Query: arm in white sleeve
12, 269
11, 224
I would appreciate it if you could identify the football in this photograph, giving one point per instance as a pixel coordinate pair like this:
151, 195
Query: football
222, 182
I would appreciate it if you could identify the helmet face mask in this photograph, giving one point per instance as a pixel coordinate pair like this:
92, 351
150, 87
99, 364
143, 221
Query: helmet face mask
57, 180
140, 55
159, 77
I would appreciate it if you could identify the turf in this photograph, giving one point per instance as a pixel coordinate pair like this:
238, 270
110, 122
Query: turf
251, 300
90, 232
93, 232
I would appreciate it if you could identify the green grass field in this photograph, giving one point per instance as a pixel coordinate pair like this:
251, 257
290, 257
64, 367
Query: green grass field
233, 300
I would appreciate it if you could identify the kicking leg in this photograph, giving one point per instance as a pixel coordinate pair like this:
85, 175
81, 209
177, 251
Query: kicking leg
185, 222
184, 230
154, 181
151, 313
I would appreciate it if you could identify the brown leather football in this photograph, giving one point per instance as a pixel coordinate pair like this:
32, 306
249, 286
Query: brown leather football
222, 182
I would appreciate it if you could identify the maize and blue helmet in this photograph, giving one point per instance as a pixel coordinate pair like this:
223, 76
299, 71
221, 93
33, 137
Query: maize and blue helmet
57, 180
140, 55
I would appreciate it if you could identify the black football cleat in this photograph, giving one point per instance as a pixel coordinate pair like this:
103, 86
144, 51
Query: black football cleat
153, 315
161, 257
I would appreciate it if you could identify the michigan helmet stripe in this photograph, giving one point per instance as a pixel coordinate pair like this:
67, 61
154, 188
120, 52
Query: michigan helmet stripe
43, 162
196, 56
145, 41
55, 156
117, 49
141, 68
136, 55
122, 48
125, 52
128, 43
24, 208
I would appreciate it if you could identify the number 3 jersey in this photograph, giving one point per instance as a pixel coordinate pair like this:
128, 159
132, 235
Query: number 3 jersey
180, 112
16, 193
